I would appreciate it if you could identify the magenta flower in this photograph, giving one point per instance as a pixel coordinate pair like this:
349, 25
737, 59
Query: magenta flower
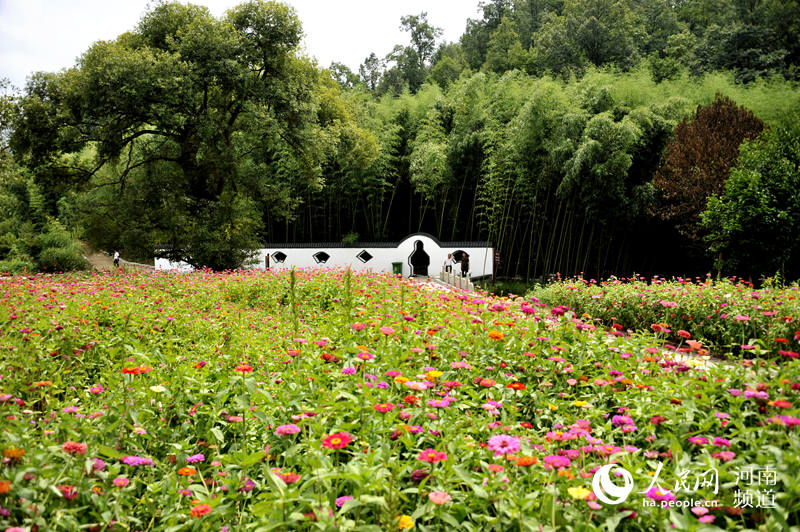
285, 430
721, 442
343, 499
195, 458
503, 444
659, 494
697, 440
554, 461
120, 482
137, 461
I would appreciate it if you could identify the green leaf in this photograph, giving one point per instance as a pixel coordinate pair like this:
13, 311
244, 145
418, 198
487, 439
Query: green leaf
251, 459
108, 451
218, 434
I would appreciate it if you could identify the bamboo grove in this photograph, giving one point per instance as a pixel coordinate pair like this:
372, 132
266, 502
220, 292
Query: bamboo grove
203, 137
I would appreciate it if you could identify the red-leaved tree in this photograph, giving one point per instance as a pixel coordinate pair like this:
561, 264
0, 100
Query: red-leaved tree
697, 161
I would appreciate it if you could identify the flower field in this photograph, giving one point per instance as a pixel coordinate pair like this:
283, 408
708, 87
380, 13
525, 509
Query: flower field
323, 400
728, 316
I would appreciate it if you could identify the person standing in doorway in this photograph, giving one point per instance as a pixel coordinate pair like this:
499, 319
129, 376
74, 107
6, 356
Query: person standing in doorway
116, 259
464, 265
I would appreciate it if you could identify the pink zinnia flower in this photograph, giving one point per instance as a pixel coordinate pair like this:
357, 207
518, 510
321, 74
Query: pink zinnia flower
659, 494
707, 519
195, 458
337, 440
503, 444
137, 461
289, 478
725, 456
383, 407
120, 482
697, 440
439, 497
555, 461
432, 456
721, 442
285, 430
343, 499
387, 330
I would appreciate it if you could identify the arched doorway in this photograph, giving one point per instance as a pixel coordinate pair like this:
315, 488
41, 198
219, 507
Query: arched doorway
419, 259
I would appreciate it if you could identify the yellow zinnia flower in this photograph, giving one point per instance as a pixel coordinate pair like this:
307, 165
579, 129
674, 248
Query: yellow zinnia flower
405, 522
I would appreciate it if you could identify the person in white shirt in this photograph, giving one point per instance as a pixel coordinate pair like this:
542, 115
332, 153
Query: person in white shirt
448, 263
116, 259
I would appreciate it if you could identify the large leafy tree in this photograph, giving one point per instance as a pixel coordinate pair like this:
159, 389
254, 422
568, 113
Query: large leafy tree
754, 224
185, 131
698, 160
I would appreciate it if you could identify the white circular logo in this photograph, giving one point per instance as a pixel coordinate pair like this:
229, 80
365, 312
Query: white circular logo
605, 489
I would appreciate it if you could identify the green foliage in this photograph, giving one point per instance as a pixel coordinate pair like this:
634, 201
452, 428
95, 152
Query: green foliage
753, 224
182, 134
30, 240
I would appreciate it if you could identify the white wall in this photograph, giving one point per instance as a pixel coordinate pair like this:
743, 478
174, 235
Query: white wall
481, 258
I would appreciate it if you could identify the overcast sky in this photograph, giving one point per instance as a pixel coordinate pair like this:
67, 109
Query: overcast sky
49, 35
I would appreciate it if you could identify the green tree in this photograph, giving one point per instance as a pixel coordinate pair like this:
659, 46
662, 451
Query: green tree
412, 61
341, 73
448, 64
754, 224
370, 71
505, 49
184, 132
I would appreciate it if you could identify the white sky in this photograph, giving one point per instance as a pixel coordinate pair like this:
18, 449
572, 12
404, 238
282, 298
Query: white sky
48, 35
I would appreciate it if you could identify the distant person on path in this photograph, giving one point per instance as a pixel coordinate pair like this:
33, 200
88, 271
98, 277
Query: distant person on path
464, 265
116, 259
448, 263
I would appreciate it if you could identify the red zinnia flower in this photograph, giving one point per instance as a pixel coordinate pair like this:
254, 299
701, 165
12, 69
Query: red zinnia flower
383, 407
138, 370
684, 334
200, 510
337, 440
516, 386
243, 368
73, 447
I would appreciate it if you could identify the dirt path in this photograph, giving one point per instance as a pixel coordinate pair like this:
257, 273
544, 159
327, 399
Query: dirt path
103, 261
98, 259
